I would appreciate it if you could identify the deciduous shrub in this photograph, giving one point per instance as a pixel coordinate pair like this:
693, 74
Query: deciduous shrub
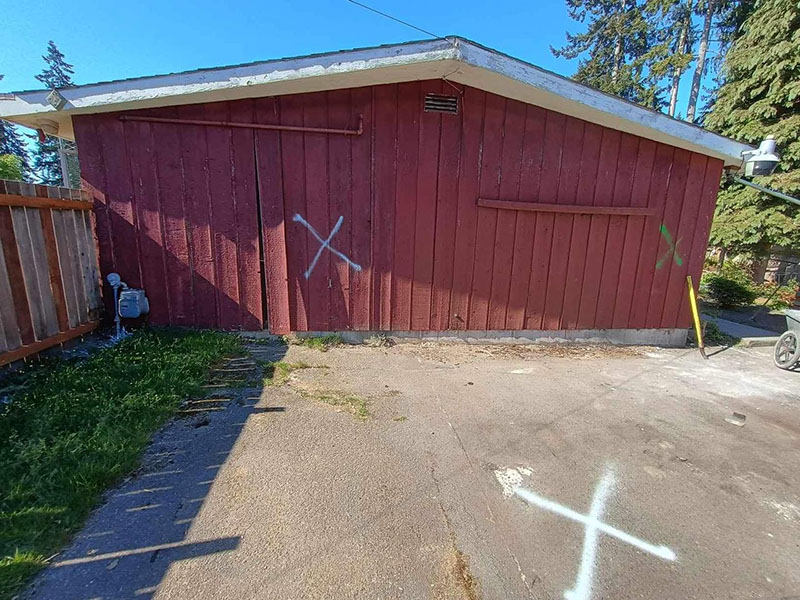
10, 167
728, 293
729, 288
782, 297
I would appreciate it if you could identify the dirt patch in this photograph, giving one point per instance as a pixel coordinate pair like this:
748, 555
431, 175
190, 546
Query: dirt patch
455, 353
457, 582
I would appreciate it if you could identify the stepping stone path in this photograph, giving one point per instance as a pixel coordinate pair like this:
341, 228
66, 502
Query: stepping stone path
239, 378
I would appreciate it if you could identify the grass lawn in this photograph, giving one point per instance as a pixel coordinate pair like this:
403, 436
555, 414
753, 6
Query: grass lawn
73, 428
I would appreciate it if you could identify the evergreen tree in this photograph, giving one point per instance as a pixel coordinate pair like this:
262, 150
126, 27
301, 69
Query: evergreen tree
671, 33
709, 9
760, 96
58, 73
680, 55
47, 160
721, 20
616, 41
11, 143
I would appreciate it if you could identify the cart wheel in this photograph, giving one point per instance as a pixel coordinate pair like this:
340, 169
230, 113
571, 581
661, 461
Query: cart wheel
787, 350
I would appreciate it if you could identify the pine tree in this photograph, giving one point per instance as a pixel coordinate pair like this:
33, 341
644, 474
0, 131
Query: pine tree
760, 96
616, 41
47, 160
11, 143
709, 8
671, 38
58, 73
681, 55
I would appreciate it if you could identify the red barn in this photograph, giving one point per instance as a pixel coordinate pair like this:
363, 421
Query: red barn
434, 186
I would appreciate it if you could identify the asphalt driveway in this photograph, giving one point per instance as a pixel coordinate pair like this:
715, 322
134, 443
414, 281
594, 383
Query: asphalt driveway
454, 471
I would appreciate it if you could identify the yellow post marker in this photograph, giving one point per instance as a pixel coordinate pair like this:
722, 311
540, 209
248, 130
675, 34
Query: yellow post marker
696, 316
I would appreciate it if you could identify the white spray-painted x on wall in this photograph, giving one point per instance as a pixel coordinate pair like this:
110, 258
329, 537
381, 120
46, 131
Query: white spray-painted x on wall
326, 243
511, 480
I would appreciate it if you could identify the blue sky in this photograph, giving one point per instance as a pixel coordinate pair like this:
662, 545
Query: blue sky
114, 40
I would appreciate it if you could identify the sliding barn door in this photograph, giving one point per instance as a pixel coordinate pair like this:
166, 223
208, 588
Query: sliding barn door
316, 212
177, 212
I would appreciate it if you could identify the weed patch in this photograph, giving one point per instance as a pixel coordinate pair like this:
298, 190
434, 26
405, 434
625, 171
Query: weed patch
355, 405
321, 343
71, 429
713, 335
277, 373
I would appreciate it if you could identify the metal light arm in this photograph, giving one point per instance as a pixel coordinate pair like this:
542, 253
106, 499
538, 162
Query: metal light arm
766, 190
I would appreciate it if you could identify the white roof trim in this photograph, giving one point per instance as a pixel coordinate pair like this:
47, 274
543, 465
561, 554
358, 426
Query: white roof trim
459, 60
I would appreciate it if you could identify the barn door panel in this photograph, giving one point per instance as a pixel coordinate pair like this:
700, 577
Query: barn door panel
315, 195
178, 213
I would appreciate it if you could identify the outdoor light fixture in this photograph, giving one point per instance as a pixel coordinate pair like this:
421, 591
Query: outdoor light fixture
761, 161
56, 100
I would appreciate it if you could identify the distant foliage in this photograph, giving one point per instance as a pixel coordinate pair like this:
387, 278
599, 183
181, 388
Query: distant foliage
640, 49
11, 142
610, 52
58, 72
779, 297
729, 288
47, 159
728, 293
10, 167
760, 96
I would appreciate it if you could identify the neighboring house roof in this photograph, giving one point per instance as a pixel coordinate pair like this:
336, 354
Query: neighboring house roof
453, 58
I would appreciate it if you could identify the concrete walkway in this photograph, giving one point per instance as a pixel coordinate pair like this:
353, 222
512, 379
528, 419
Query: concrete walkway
455, 472
752, 336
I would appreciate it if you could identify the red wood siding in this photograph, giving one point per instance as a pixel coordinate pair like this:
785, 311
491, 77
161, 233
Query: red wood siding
179, 209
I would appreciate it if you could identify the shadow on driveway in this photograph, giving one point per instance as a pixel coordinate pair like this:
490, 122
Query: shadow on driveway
129, 543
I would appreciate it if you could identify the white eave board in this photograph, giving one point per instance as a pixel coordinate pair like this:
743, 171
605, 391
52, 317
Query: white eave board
456, 59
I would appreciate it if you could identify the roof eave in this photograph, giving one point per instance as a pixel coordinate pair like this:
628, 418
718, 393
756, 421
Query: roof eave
531, 84
460, 60
348, 68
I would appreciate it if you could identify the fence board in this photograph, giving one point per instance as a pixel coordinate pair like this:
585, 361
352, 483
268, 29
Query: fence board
36, 347
8, 320
93, 278
41, 263
29, 278
82, 256
53, 268
75, 265
14, 269
49, 277
67, 275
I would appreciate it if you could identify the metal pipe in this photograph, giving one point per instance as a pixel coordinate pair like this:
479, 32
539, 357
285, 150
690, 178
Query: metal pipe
358, 131
766, 190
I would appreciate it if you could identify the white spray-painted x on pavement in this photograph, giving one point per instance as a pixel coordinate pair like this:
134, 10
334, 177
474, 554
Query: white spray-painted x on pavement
326, 243
511, 480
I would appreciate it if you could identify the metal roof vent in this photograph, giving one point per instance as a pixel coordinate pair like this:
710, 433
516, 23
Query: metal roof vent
441, 104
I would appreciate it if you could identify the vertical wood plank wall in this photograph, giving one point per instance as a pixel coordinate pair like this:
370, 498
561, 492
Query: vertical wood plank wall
179, 208
49, 277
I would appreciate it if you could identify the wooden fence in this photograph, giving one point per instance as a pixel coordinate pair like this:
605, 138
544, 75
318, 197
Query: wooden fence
49, 279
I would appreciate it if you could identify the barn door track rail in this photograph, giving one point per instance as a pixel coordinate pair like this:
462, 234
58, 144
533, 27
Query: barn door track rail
328, 130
